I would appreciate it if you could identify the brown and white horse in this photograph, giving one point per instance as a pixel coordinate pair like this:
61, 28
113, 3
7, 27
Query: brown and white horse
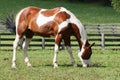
58, 22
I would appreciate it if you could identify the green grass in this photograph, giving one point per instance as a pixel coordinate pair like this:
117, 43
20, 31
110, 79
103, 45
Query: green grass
86, 12
106, 66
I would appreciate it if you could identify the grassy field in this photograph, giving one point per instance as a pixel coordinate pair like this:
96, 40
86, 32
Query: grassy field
86, 12
106, 66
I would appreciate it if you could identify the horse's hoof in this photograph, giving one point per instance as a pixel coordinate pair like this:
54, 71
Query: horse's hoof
13, 67
86, 66
55, 66
29, 65
75, 65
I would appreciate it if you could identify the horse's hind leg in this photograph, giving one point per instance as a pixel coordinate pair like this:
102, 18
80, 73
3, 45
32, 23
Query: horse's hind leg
15, 45
25, 46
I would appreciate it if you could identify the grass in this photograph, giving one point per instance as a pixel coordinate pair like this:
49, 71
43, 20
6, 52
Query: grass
105, 66
86, 12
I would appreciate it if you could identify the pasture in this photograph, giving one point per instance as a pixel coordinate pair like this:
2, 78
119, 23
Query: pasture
86, 13
105, 66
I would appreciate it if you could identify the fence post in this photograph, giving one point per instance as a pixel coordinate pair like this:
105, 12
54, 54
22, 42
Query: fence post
113, 29
103, 41
43, 43
98, 27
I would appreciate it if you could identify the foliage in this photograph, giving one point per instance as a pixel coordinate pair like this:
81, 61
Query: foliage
104, 2
116, 5
9, 23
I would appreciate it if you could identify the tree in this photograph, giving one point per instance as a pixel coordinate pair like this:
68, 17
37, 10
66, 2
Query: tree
103, 2
116, 5
106, 2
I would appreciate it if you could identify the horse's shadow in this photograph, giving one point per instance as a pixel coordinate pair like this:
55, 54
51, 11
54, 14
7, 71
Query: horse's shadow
98, 65
95, 65
64, 65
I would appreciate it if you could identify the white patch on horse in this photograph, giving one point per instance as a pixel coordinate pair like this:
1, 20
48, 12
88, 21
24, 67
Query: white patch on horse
41, 19
63, 24
85, 63
74, 20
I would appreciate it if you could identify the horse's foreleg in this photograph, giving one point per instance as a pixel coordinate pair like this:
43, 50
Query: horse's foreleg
71, 56
57, 42
67, 44
55, 56
25, 46
15, 44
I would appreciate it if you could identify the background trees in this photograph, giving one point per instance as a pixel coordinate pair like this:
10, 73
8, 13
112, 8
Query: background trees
116, 5
104, 2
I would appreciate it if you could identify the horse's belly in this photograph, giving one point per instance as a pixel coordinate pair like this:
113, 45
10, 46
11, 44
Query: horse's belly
46, 31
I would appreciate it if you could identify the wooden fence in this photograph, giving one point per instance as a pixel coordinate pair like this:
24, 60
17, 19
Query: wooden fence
105, 36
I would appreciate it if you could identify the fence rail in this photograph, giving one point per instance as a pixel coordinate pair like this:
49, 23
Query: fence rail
105, 36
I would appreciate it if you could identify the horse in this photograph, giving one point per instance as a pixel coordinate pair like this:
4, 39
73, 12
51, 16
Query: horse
58, 22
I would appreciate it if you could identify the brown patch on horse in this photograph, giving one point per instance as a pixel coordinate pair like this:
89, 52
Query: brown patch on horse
58, 38
87, 53
70, 30
29, 33
33, 11
50, 12
61, 16
77, 34
25, 18
32, 20
22, 23
48, 29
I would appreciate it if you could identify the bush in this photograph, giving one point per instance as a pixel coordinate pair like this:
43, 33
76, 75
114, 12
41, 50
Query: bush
116, 5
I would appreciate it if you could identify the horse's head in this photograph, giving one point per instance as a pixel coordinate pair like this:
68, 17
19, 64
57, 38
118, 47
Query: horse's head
85, 54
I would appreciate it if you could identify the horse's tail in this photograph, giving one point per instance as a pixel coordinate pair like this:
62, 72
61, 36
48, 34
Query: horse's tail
9, 23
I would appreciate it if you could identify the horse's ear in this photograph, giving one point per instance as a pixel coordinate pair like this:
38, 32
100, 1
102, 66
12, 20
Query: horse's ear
92, 44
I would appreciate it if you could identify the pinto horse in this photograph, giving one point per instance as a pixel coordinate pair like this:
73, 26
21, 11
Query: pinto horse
58, 22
